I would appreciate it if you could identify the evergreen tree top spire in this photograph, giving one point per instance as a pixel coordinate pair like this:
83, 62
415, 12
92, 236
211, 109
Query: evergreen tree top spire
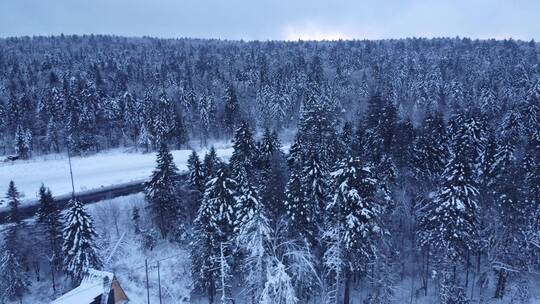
244, 149
220, 194
80, 251
13, 197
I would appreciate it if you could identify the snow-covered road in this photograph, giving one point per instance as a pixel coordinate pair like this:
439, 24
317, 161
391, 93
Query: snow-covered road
91, 172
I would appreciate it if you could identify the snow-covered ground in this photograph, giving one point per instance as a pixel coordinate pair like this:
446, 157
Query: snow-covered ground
91, 172
126, 259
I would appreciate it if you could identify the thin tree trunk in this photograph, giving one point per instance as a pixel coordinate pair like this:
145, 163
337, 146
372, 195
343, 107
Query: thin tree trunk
53, 279
474, 274
211, 291
467, 269
501, 284
427, 272
347, 292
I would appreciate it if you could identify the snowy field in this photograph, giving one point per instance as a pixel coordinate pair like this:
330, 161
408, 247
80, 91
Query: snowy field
91, 172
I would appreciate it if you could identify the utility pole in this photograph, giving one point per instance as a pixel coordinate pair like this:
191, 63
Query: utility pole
71, 174
159, 282
147, 284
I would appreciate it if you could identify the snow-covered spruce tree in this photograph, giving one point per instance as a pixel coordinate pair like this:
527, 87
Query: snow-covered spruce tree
294, 159
204, 249
405, 135
161, 191
317, 128
220, 197
231, 115
13, 200
207, 112
13, 277
144, 140
79, 248
13, 280
531, 109
429, 153
380, 124
468, 131
210, 164
268, 147
273, 182
244, 154
23, 139
196, 175
353, 213
49, 217
448, 223
299, 213
214, 225
314, 183
15, 237
346, 139
253, 238
247, 200
531, 169
512, 209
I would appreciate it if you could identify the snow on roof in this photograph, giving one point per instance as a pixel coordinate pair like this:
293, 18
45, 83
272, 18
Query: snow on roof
92, 286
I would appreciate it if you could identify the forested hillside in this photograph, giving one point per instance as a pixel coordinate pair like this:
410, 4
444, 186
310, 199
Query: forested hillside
414, 171
98, 92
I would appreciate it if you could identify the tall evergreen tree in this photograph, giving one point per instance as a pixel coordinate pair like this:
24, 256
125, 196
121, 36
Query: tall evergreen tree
448, 223
430, 152
49, 217
314, 183
231, 115
211, 163
161, 191
79, 248
214, 225
13, 199
220, 198
300, 215
254, 236
244, 154
268, 147
354, 213
273, 180
196, 175
22, 143
13, 280
247, 200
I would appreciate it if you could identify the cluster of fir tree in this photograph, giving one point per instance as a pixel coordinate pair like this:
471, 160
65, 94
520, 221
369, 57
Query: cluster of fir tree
90, 93
456, 195
65, 244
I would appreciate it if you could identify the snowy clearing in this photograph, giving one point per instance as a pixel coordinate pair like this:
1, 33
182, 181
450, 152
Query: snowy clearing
91, 172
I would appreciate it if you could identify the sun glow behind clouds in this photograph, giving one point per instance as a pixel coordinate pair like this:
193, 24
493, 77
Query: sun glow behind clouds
311, 32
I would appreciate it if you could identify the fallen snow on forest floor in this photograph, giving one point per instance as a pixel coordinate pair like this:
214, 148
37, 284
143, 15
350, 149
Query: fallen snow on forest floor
103, 169
126, 259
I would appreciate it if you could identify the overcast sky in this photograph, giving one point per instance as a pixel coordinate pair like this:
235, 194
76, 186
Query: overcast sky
278, 19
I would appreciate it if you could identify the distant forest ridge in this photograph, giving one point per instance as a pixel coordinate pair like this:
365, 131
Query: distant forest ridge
91, 93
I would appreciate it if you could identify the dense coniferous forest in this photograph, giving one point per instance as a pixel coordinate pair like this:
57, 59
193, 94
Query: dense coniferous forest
412, 159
